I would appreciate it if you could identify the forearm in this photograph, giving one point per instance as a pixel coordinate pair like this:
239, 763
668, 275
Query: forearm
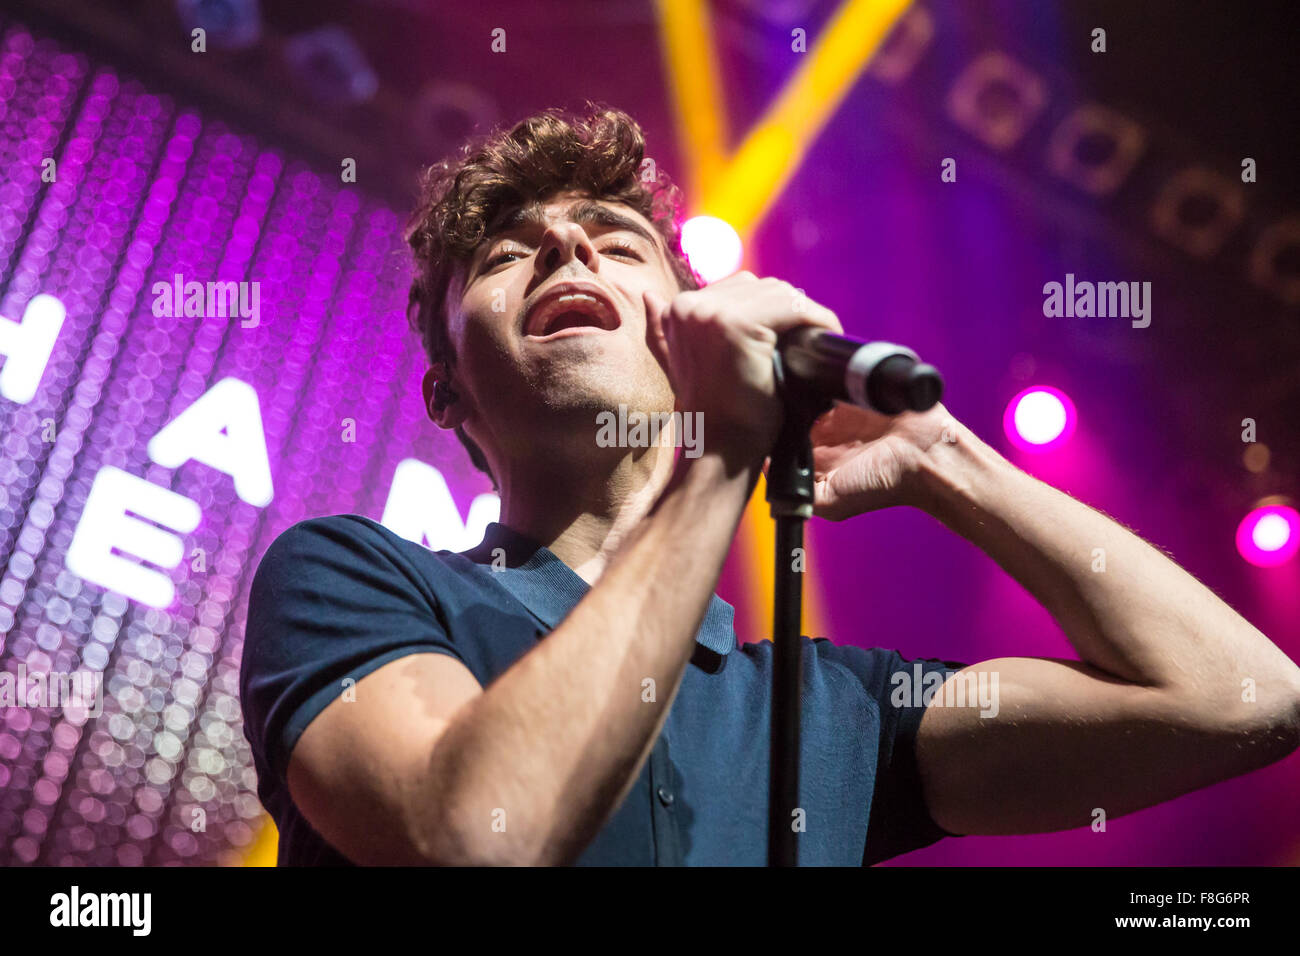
558, 740
1142, 619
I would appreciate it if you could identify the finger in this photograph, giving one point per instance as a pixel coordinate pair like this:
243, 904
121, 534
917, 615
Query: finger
825, 319
818, 314
815, 313
790, 308
654, 309
736, 278
656, 337
844, 421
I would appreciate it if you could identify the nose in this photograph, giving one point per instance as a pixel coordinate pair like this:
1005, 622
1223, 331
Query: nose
565, 242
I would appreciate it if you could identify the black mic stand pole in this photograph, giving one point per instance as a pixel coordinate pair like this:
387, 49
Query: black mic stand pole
790, 495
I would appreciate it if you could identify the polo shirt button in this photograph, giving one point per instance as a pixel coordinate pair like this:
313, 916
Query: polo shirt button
665, 797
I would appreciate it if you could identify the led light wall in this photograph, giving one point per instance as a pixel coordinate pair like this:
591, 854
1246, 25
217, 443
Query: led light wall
201, 342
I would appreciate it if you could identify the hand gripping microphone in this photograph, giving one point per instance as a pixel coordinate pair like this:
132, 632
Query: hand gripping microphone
881, 376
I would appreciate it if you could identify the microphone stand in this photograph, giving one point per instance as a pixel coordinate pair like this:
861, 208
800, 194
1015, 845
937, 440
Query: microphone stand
790, 496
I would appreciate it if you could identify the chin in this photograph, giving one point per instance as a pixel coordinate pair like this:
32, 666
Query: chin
602, 386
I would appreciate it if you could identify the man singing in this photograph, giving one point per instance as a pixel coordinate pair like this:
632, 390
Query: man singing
572, 690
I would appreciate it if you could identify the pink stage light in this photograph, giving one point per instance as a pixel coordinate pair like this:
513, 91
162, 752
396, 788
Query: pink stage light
1269, 535
1039, 418
712, 246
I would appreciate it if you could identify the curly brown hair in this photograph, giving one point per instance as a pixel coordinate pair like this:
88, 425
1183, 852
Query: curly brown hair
600, 153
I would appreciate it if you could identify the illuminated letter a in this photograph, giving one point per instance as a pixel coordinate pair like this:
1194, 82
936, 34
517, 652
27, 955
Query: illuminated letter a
222, 429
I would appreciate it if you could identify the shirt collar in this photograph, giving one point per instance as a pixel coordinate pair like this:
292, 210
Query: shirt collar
551, 589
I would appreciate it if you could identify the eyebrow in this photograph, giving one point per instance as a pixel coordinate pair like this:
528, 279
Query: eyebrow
584, 213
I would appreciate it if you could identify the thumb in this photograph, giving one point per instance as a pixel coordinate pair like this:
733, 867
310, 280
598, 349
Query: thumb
655, 307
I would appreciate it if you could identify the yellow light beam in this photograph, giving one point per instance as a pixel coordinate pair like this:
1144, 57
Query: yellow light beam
745, 190
263, 850
686, 33
775, 146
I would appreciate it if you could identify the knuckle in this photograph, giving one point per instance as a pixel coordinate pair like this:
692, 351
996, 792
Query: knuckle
699, 313
683, 302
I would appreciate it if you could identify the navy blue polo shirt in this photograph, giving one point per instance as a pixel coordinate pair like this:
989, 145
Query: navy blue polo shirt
337, 597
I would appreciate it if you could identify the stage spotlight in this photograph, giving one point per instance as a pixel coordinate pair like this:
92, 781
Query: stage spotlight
1269, 535
229, 24
331, 67
1197, 210
712, 246
904, 47
997, 99
1095, 148
1039, 418
1273, 261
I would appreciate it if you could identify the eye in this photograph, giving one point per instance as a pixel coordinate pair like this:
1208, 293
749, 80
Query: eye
499, 256
622, 248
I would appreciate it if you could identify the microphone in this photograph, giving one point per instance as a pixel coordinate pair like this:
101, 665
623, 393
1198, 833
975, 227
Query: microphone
881, 376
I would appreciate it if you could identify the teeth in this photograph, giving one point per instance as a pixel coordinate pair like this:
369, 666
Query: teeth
560, 303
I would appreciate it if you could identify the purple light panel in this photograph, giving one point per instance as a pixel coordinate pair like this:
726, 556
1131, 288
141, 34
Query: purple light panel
144, 190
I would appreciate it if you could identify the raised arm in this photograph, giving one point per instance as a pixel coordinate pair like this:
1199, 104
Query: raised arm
1173, 689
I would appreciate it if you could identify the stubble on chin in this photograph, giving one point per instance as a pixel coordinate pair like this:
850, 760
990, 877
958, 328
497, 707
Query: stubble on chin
590, 388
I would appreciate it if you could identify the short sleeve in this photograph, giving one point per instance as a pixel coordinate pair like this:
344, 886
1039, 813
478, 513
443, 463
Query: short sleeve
899, 821
333, 598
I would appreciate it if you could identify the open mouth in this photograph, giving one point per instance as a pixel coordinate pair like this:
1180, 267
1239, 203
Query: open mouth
566, 309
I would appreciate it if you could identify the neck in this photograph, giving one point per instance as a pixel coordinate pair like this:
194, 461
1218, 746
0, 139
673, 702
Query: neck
583, 511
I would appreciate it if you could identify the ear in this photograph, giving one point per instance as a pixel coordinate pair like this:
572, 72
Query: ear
454, 411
